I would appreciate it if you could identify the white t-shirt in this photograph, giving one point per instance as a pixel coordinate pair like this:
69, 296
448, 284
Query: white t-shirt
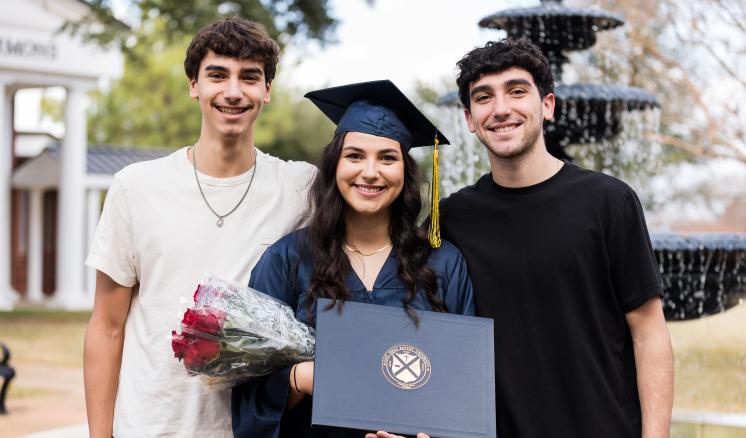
157, 234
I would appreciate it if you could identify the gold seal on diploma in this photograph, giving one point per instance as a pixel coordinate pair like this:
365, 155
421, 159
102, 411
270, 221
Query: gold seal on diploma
406, 366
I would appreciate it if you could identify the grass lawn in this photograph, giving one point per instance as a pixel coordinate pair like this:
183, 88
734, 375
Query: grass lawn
44, 336
710, 362
710, 358
710, 353
47, 354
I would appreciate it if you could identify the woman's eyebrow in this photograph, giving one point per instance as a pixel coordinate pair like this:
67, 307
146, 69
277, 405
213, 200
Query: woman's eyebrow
388, 151
355, 148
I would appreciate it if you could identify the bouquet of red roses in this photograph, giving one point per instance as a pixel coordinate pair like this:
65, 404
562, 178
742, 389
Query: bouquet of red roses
234, 333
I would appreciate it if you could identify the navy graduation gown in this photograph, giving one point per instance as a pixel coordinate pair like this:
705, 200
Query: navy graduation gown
259, 407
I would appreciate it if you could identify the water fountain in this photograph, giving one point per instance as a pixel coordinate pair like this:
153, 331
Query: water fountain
702, 274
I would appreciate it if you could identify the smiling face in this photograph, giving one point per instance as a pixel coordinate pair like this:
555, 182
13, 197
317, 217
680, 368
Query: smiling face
370, 172
231, 93
507, 113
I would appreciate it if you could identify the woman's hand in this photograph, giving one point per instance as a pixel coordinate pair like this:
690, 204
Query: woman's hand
301, 382
303, 379
382, 434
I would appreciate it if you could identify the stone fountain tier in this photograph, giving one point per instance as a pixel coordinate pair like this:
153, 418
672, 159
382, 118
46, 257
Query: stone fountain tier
555, 24
588, 113
554, 28
702, 274
584, 113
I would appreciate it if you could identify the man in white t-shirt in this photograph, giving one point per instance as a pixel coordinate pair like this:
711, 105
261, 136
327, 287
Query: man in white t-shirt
211, 208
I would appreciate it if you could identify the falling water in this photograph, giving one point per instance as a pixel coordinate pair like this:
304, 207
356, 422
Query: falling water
607, 128
702, 274
465, 160
630, 155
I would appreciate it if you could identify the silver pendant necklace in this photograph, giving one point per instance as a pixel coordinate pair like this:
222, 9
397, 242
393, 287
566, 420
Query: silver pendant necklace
221, 217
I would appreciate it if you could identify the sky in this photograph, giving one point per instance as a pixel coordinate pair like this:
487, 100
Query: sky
405, 41
401, 40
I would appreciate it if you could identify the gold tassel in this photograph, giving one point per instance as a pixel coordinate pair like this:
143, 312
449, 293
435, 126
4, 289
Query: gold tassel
434, 232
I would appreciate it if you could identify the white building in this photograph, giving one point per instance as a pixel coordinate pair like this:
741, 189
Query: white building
33, 54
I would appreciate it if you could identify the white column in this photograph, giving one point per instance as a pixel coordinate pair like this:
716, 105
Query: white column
35, 247
93, 206
8, 296
70, 293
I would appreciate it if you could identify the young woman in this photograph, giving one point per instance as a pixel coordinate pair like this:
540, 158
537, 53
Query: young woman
362, 244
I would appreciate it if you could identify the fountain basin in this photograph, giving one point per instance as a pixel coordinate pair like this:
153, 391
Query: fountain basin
702, 274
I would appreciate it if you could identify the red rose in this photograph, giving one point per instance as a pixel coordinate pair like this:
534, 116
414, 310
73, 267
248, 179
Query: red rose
203, 319
178, 344
195, 351
200, 352
196, 292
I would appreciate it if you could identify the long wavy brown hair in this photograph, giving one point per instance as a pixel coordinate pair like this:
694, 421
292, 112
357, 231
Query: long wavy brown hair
326, 235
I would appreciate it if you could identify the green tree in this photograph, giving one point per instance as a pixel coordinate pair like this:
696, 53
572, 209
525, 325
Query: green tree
284, 19
150, 106
291, 127
691, 56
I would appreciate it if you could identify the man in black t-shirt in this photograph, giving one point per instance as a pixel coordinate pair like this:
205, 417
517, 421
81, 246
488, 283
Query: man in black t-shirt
560, 257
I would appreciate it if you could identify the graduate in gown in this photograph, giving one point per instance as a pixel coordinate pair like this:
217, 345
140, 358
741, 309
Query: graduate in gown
362, 244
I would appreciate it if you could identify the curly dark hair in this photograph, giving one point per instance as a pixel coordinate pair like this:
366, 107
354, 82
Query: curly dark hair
497, 56
326, 234
235, 37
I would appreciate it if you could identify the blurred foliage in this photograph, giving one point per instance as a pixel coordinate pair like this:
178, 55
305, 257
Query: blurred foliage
291, 127
51, 107
150, 105
691, 56
284, 19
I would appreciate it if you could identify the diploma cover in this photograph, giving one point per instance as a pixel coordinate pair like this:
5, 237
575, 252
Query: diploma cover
375, 371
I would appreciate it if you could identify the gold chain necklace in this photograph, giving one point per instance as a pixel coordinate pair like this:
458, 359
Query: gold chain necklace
351, 248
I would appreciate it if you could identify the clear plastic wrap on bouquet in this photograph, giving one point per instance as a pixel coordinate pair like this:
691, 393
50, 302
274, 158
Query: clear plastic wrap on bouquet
233, 333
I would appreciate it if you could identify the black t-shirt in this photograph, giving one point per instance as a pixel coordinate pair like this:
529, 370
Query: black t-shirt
557, 265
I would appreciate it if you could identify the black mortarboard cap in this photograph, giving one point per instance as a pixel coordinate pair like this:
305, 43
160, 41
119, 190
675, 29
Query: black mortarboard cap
377, 108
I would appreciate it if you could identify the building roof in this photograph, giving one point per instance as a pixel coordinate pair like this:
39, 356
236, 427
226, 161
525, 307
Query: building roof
28, 144
108, 160
43, 171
